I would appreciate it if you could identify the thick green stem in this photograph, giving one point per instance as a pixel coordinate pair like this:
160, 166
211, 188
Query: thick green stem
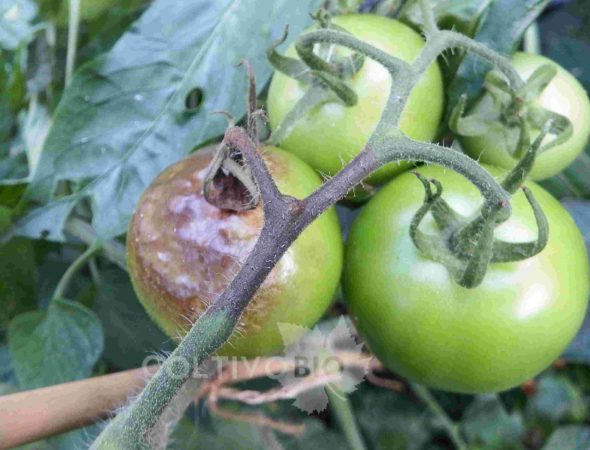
403, 148
451, 427
71, 271
340, 405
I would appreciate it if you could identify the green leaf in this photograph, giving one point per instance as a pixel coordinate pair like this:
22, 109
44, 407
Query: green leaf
5, 218
130, 335
557, 399
501, 29
579, 349
570, 437
18, 279
16, 28
12, 96
486, 423
574, 181
234, 435
7, 375
461, 15
33, 126
75, 439
54, 346
391, 421
123, 118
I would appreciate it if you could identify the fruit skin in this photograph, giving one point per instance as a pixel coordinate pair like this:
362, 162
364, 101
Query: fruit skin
332, 134
183, 252
424, 326
564, 95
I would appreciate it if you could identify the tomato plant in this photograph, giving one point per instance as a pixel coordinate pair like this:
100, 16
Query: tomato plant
332, 134
93, 112
563, 95
422, 325
183, 252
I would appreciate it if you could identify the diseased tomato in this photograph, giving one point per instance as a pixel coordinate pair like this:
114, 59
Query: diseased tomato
564, 95
183, 252
332, 134
424, 326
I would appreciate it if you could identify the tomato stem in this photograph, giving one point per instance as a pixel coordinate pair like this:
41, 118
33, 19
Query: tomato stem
71, 271
340, 405
451, 427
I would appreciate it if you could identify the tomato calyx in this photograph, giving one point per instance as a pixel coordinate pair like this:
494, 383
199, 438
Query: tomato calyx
321, 69
468, 246
230, 184
513, 114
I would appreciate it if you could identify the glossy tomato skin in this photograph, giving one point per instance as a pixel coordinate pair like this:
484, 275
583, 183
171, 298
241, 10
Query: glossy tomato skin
183, 252
332, 134
564, 95
424, 326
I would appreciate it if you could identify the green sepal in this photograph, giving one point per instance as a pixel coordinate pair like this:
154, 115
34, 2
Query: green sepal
515, 113
291, 67
511, 251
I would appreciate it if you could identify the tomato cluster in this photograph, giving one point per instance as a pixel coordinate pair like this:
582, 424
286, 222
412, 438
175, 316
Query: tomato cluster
412, 314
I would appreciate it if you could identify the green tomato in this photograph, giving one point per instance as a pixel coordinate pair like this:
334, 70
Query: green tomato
332, 134
564, 95
424, 326
183, 252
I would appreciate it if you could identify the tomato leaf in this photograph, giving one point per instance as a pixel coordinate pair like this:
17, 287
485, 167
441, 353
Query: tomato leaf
486, 423
405, 426
501, 29
579, 350
556, 399
571, 437
130, 334
16, 28
462, 15
123, 118
18, 279
54, 346
7, 375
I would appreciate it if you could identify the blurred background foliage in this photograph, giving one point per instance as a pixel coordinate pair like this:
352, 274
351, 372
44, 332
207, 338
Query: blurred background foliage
102, 323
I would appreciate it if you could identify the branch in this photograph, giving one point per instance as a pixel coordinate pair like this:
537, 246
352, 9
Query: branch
29, 416
113, 250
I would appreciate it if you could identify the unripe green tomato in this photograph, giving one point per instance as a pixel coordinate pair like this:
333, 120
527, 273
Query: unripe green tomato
564, 95
332, 134
424, 326
183, 252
